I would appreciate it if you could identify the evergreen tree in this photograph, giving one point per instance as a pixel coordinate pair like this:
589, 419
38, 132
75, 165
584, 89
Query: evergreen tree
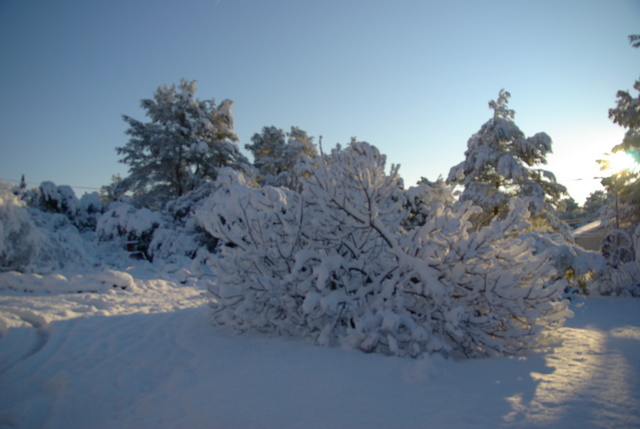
182, 146
625, 185
594, 204
276, 155
570, 211
501, 164
23, 185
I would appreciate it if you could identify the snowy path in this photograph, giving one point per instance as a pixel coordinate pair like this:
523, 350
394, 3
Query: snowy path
148, 357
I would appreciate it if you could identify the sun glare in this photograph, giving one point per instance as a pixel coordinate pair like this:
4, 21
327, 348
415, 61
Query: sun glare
620, 161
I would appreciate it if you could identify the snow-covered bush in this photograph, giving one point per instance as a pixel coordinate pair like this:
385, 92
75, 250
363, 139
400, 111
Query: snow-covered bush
618, 248
261, 232
18, 236
579, 267
336, 264
59, 199
91, 208
83, 212
424, 198
621, 276
499, 293
128, 224
35, 241
623, 280
181, 240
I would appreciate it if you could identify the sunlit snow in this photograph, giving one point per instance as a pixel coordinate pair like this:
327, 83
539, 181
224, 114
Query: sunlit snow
146, 355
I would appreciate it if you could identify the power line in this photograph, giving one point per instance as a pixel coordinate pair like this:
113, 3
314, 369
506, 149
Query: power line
97, 189
580, 179
36, 183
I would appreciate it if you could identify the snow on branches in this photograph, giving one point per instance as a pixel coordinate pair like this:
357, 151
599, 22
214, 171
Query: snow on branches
499, 164
182, 146
336, 264
32, 240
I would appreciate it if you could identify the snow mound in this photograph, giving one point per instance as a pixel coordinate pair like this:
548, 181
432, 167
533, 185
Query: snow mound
118, 279
59, 283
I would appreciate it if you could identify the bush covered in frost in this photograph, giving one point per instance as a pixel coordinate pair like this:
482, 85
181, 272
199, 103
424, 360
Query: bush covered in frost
336, 264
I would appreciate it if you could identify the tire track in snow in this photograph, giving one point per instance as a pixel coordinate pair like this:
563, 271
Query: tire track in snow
41, 328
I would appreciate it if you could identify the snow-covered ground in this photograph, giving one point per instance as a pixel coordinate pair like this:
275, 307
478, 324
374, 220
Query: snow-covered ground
136, 349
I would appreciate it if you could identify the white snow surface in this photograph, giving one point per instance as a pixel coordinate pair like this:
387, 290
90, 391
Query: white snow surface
134, 348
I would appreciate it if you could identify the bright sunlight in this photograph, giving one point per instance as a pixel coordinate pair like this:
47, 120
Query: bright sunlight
618, 162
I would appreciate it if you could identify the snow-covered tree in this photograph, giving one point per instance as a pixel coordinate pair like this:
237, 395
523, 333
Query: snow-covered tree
184, 143
594, 204
570, 211
501, 163
276, 155
115, 191
335, 263
267, 148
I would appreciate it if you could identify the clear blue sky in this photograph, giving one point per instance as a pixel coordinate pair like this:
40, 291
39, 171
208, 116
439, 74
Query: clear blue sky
411, 77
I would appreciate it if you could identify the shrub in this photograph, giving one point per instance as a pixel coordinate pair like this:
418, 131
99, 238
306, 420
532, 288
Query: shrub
335, 264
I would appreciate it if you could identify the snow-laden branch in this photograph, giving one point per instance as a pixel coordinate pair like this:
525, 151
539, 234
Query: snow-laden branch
336, 264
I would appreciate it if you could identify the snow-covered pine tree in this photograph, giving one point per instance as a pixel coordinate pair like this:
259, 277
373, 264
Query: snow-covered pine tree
276, 155
266, 149
183, 144
500, 163
594, 204
570, 211
300, 149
